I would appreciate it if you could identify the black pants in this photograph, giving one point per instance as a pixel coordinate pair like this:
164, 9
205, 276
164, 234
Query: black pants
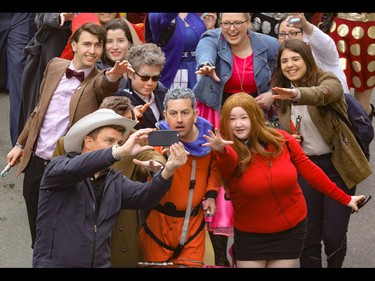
328, 221
31, 184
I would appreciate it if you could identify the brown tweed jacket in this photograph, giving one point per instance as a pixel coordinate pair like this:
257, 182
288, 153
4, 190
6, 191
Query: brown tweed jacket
347, 158
85, 99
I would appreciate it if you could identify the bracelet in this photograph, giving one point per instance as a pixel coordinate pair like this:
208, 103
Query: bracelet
204, 64
18, 145
115, 153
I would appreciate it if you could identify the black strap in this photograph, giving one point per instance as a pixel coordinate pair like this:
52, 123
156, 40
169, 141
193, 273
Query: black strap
171, 211
153, 236
343, 118
176, 251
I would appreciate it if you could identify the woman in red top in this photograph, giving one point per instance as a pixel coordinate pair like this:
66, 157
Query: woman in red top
259, 165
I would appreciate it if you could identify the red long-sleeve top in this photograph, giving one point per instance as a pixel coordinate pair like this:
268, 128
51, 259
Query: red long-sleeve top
267, 198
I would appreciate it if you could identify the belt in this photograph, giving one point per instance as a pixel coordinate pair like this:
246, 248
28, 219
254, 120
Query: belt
188, 54
40, 159
323, 156
170, 210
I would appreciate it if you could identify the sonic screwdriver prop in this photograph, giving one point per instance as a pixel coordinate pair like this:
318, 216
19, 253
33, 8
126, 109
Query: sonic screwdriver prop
6, 170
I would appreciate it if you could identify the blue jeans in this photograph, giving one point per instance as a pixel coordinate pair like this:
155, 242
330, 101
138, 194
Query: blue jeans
328, 220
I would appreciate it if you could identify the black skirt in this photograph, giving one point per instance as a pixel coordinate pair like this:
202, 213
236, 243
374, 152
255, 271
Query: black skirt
282, 245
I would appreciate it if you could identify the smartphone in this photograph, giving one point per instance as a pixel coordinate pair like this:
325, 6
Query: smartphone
360, 204
163, 137
293, 20
298, 124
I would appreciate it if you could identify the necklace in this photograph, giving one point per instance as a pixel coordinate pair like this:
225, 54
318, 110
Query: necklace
238, 72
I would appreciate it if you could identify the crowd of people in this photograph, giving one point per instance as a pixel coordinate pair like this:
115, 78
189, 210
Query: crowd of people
87, 89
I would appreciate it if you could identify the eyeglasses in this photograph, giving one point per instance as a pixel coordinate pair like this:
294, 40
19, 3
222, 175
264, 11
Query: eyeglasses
145, 78
236, 24
291, 34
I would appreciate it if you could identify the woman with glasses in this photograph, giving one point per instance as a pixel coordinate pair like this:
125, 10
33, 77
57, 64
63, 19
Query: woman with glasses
322, 45
143, 86
232, 59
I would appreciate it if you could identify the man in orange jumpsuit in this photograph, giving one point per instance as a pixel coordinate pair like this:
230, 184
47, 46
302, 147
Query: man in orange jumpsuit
163, 238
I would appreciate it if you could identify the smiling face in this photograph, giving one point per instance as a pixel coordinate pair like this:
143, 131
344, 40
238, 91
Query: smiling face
238, 23
87, 50
292, 65
117, 45
240, 123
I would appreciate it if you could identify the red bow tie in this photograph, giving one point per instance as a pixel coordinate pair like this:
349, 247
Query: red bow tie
80, 75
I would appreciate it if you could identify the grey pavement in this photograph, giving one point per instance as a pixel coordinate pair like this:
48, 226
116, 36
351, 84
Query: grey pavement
15, 241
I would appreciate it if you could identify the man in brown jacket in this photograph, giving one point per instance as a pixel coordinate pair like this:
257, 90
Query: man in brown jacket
66, 96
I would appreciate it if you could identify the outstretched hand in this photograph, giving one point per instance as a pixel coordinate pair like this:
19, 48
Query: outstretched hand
208, 70
215, 141
284, 93
119, 69
151, 165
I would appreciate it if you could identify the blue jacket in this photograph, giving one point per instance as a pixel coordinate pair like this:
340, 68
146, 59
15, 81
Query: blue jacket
215, 50
72, 231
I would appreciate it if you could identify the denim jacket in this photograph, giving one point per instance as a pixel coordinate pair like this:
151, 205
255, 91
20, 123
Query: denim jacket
215, 50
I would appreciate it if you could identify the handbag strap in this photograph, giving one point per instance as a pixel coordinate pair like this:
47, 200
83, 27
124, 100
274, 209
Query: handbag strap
342, 117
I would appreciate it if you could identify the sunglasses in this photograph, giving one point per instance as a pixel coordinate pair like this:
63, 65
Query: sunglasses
145, 78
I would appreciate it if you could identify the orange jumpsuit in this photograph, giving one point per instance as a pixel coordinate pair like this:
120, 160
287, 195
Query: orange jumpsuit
168, 228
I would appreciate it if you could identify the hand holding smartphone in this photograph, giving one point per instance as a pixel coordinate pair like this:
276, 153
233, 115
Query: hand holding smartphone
293, 20
363, 202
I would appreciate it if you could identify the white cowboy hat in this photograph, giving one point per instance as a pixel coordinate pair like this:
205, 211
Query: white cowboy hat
99, 118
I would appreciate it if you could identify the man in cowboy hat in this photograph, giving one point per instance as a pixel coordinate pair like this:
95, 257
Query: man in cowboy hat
81, 197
